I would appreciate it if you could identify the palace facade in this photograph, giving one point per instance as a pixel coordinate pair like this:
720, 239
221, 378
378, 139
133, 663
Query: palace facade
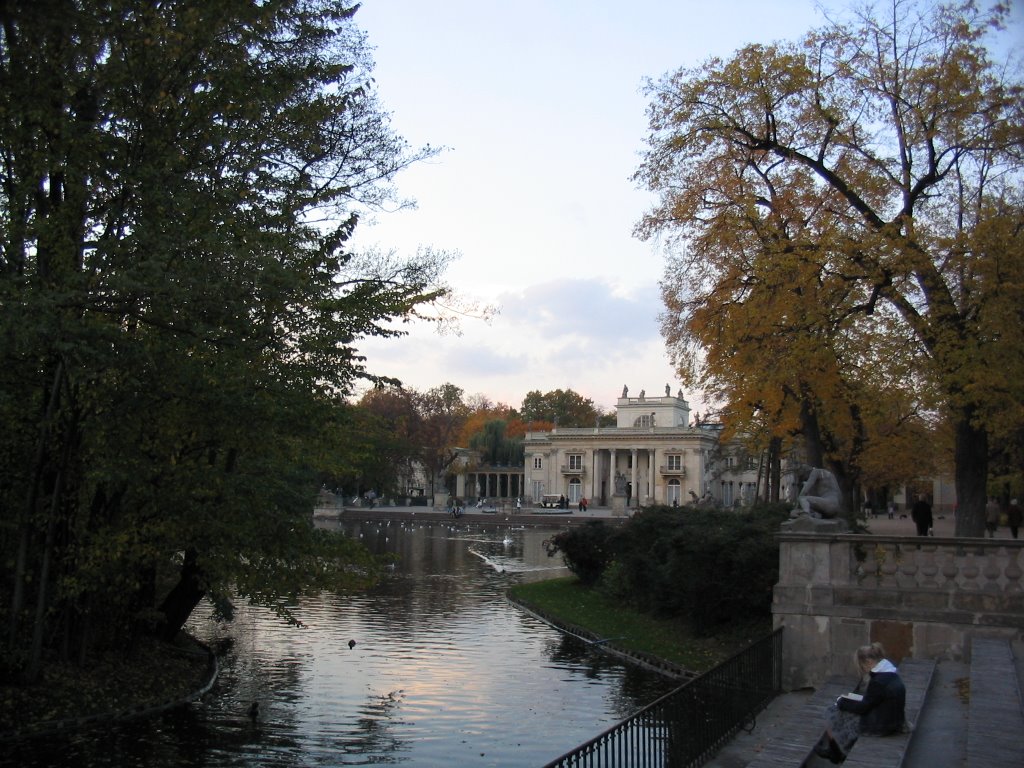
653, 455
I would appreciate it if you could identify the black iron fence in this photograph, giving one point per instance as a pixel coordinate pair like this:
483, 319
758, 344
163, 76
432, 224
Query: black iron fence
684, 728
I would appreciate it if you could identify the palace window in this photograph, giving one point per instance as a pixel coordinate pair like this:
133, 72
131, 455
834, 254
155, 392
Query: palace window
675, 461
575, 490
537, 464
575, 461
644, 421
675, 493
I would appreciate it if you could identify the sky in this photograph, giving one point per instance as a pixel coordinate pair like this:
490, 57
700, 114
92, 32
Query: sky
540, 109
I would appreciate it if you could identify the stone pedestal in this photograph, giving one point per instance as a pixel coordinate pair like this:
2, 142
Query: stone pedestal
807, 524
619, 505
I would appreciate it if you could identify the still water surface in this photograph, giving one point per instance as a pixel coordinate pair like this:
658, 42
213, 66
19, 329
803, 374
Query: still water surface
444, 672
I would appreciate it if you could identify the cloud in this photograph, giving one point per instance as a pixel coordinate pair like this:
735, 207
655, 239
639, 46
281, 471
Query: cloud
583, 334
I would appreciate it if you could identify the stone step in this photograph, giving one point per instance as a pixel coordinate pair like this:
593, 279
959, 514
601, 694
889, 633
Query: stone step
995, 729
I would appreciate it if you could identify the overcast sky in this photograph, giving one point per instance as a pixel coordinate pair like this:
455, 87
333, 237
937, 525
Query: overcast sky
539, 105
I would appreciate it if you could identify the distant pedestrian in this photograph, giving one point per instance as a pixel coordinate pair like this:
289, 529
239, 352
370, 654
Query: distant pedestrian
992, 517
892, 509
1013, 517
586, 503
921, 514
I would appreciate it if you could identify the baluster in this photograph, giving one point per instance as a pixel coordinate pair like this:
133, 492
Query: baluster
929, 568
887, 558
908, 567
969, 571
991, 570
1013, 571
949, 568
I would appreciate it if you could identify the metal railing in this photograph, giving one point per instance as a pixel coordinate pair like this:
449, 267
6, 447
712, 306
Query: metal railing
684, 728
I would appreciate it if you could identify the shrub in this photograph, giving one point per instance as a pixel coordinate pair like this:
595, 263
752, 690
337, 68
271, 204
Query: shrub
584, 548
709, 566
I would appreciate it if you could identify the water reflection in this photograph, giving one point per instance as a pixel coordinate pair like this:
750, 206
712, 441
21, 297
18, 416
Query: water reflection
443, 672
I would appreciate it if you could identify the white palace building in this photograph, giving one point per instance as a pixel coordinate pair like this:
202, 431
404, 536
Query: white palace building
653, 455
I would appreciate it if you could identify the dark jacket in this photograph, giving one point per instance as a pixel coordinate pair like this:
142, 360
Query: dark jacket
882, 710
921, 513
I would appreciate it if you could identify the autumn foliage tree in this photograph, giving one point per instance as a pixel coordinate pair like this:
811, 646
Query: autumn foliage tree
858, 186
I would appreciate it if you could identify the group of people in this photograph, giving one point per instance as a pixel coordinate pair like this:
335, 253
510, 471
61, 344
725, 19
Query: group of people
921, 514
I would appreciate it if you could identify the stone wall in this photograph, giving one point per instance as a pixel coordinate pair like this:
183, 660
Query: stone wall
919, 597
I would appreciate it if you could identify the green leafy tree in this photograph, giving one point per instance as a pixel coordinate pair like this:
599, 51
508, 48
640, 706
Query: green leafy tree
179, 309
563, 407
495, 446
881, 157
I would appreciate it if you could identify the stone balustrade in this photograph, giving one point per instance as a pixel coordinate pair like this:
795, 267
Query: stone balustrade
921, 597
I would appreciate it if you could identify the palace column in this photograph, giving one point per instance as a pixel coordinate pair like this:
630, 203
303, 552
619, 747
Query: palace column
651, 477
611, 472
635, 501
592, 495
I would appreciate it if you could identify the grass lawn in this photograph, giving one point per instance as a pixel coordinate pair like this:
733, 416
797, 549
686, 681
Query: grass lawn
669, 639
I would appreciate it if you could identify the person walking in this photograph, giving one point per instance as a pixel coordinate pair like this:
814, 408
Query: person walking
921, 514
992, 517
1013, 517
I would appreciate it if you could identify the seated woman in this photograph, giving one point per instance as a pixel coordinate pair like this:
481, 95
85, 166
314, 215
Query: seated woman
880, 712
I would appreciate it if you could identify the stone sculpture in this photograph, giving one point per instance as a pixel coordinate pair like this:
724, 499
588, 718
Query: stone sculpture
819, 497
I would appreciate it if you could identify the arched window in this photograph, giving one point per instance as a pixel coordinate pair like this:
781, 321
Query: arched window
644, 421
575, 490
675, 492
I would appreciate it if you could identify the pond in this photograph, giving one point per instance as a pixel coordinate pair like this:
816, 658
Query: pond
442, 671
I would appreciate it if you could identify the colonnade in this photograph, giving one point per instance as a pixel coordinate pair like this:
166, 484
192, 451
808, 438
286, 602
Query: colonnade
506, 484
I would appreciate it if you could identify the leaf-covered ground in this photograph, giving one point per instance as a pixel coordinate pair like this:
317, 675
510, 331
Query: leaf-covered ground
149, 674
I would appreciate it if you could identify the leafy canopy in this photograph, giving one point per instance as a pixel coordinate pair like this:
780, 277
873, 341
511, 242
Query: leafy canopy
180, 311
849, 195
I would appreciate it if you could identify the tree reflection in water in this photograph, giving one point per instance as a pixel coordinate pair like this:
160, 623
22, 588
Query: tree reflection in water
444, 672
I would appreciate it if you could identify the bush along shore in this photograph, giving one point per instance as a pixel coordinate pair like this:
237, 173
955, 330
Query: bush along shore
667, 646
154, 677
679, 590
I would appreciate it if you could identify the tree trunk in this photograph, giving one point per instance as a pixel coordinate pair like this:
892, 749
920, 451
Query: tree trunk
971, 475
811, 431
775, 469
26, 528
183, 598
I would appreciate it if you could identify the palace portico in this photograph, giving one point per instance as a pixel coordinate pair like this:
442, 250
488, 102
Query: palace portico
651, 456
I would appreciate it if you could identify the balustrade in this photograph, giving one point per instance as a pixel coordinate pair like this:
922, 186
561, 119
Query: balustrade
986, 565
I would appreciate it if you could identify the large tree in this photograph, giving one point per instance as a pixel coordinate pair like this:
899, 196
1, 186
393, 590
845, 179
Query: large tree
563, 407
178, 306
894, 141
443, 412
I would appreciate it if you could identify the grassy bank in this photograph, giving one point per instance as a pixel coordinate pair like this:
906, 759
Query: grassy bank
669, 639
